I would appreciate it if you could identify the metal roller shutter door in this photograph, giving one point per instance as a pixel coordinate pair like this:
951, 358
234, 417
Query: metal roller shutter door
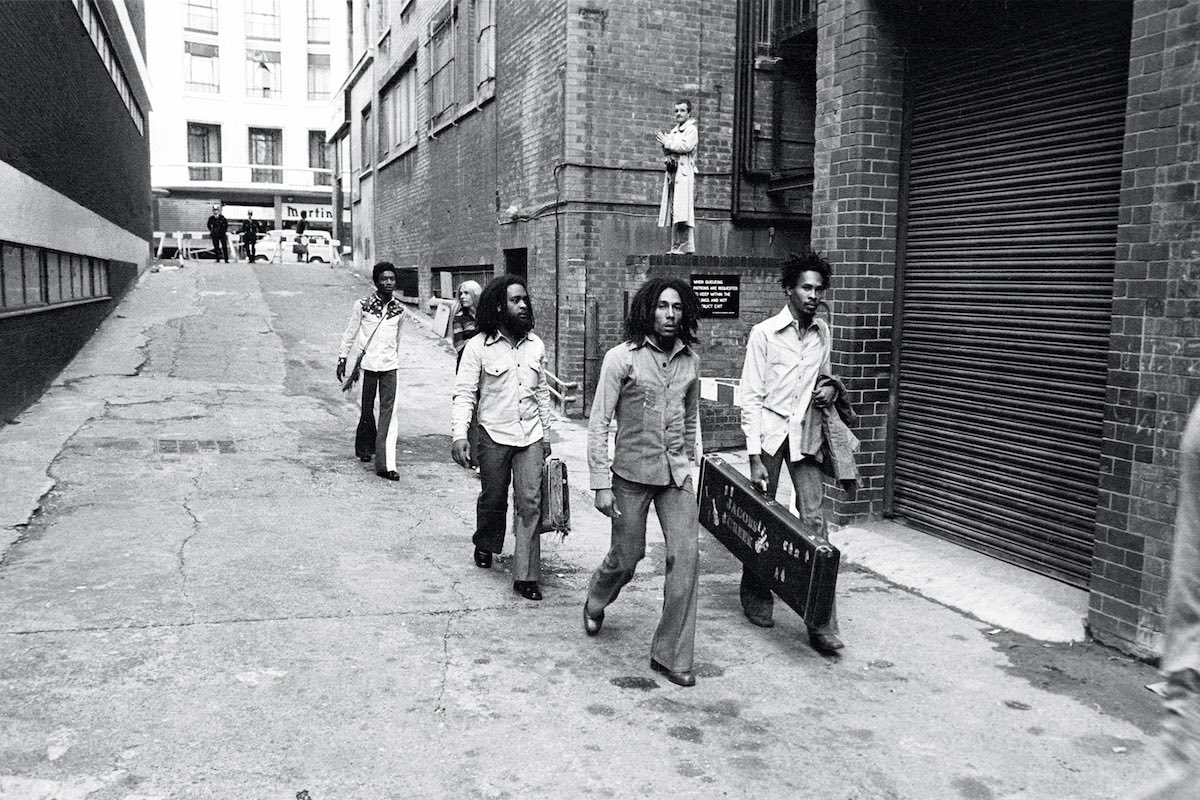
1009, 238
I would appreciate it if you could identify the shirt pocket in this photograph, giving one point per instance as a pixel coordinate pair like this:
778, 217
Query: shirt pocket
783, 371
494, 369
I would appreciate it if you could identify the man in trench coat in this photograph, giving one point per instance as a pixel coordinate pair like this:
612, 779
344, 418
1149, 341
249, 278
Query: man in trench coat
677, 207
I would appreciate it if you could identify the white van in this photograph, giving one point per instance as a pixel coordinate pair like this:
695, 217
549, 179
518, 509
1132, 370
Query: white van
281, 246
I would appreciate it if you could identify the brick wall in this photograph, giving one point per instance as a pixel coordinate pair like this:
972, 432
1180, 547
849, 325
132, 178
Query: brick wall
55, 93
856, 200
1154, 374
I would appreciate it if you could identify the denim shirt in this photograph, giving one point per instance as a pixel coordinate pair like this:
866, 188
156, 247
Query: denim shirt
509, 380
655, 398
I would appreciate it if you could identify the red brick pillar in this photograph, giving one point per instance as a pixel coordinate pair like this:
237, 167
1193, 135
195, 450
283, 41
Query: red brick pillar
855, 200
1154, 374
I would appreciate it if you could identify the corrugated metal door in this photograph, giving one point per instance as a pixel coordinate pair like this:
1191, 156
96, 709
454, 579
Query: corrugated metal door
1008, 239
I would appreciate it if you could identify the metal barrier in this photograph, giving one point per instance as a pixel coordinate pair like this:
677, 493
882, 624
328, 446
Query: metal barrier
562, 392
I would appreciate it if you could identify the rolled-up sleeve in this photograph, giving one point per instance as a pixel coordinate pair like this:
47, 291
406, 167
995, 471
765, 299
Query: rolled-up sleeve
608, 391
754, 390
466, 388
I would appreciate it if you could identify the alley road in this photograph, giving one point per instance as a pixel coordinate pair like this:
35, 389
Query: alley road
217, 600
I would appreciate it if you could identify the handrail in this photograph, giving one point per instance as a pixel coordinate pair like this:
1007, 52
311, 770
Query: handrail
560, 391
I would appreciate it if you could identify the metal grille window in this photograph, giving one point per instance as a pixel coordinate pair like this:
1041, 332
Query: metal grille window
485, 48
202, 15
318, 76
318, 21
318, 158
266, 148
442, 32
403, 125
262, 19
201, 71
33, 277
204, 146
263, 78
367, 139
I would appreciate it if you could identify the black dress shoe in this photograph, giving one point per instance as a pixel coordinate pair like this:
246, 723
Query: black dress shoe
827, 644
391, 475
483, 559
761, 619
527, 589
365, 459
591, 625
687, 678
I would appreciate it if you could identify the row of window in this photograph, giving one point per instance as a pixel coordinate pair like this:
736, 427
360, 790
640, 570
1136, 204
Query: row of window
37, 276
108, 54
264, 147
264, 78
262, 18
460, 69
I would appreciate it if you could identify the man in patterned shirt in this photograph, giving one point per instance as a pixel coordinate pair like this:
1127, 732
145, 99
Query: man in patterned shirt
374, 331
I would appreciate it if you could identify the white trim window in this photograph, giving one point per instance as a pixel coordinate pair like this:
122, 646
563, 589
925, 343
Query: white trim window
318, 76
201, 16
266, 149
403, 106
204, 147
263, 74
441, 47
262, 19
484, 14
201, 67
318, 21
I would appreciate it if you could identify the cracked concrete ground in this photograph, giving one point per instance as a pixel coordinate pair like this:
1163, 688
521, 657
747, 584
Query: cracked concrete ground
273, 618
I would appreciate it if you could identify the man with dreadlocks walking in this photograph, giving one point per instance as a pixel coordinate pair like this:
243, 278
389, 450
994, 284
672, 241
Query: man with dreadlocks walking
651, 384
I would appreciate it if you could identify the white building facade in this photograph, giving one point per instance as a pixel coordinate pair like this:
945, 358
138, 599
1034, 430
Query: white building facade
241, 91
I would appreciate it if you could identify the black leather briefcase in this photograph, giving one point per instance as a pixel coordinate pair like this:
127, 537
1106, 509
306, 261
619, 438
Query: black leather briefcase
799, 566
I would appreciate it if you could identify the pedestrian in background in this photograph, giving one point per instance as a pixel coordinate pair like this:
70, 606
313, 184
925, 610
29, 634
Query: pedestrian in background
374, 331
462, 324
463, 328
249, 234
218, 229
1181, 656
502, 376
651, 384
301, 241
786, 356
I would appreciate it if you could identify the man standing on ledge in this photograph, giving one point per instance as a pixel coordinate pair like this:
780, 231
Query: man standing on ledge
785, 355
677, 207
651, 383
505, 368
374, 330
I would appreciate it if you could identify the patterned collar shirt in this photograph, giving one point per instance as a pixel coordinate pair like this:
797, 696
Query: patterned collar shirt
655, 397
782, 364
374, 330
509, 379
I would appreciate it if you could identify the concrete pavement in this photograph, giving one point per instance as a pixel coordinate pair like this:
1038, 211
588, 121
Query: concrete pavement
203, 594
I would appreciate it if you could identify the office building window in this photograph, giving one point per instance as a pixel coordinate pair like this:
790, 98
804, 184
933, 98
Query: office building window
318, 157
202, 16
401, 102
442, 30
266, 148
204, 147
262, 19
37, 276
318, 76
318, 21
93, 23
263, 78
201, 68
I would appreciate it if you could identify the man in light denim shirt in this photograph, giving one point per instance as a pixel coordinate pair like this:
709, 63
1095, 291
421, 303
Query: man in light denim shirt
505, 367
651, 383
785, 355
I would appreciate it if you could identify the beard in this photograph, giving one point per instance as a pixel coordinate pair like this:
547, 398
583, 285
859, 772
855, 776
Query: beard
519, 325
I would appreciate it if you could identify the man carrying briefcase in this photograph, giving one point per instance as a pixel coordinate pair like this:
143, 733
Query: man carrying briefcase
785, 357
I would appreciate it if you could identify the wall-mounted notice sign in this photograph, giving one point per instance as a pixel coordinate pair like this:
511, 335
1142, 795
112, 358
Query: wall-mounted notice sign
718, 295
